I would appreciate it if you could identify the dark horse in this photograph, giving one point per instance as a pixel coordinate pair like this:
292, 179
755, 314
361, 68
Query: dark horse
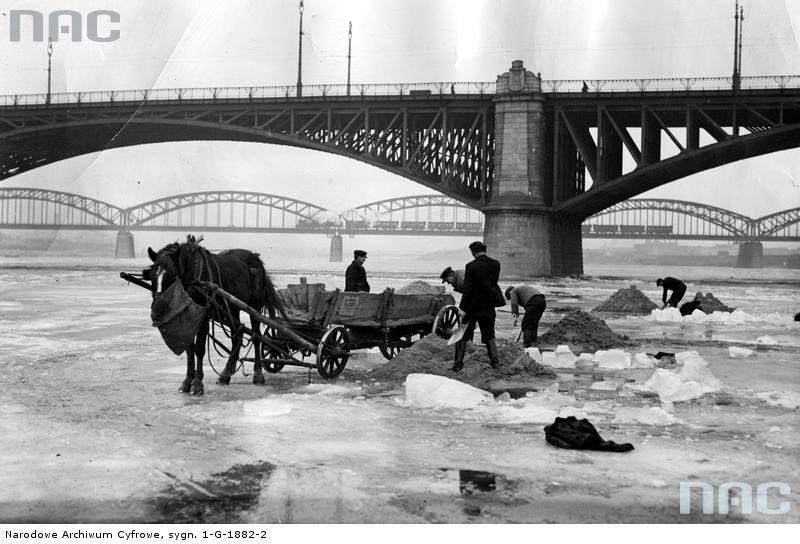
239, 272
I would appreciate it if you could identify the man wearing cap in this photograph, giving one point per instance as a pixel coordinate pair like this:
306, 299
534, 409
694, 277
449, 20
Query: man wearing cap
480, 296
454, 278
534, 303
355, 278
678, 290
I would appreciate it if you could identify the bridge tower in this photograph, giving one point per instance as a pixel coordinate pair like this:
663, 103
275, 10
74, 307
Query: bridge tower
751, 255
521, 228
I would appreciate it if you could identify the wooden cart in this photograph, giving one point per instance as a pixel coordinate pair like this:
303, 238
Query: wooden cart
330, 324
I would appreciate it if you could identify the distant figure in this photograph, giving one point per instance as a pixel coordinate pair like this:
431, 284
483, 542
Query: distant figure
355, 278
533, 301
677, 287
480, 297
452, 88
454, 278
585, 88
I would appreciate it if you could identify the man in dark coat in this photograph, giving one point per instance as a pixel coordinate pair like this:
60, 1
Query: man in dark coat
678, 290
355, 278
480, 296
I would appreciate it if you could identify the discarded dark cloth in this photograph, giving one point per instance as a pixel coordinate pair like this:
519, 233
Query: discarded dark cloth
579, 434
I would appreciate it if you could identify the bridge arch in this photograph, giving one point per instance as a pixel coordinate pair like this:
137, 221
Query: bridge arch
147, 213
724, 222
769, 226
59, 209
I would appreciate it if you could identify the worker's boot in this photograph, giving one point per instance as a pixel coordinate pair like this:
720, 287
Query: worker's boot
461, 349
527, 338
494, 358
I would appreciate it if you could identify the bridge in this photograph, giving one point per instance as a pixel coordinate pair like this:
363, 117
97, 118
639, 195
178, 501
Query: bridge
536, 157
419, 215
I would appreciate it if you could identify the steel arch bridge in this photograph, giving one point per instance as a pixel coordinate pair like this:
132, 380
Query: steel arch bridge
246, 212
679, 219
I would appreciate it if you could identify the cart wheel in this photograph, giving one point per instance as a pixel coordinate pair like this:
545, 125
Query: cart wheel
447, 320
389, 352
330, 364
269, 353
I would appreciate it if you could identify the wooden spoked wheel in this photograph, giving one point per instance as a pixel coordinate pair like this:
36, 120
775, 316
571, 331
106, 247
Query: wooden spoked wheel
269, 353
447, 320
333, 352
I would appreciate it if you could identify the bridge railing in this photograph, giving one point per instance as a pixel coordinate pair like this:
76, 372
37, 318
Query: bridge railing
425, 89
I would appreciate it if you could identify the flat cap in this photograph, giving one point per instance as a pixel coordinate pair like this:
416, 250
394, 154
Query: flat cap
446, 272
359, 253
477, 246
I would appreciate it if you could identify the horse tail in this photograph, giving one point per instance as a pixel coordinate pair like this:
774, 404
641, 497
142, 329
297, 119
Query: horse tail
273, 301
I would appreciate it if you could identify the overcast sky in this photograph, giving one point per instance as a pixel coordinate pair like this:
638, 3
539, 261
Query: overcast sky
204, 43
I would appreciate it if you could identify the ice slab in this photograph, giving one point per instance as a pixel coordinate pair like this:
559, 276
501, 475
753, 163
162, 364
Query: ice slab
766, 341
643, 360
671, 388
549, 398
613, 358
740, 353
652, 415
534, 354
429, 391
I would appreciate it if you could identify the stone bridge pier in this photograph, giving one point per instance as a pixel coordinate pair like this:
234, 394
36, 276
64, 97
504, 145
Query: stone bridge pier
124, 245
521, 228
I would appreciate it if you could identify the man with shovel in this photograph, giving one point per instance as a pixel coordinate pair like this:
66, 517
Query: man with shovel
480, 296
534, 303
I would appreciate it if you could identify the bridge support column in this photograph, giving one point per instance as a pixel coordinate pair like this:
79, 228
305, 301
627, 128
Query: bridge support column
751, 255
521, 229
124, 245
336, 247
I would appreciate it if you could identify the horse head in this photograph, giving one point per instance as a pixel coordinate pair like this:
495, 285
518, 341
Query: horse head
174, 261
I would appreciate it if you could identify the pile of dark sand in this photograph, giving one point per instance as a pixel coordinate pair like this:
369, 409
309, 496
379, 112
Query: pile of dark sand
420, 288
627, 301
432, 355
583, 332
709, 303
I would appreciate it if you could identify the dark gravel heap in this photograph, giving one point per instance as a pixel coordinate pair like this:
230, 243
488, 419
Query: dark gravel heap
432, 355
627, 301
579, 329
709, 303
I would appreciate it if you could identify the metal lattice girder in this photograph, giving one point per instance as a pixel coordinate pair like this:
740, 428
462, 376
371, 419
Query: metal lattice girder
737, 225
102, 213
440, 141
771, 225
146, 212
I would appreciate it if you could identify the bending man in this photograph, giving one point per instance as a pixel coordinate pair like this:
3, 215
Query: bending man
534, 303
678, 290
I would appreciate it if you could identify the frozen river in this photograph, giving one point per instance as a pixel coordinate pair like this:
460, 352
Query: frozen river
94, 429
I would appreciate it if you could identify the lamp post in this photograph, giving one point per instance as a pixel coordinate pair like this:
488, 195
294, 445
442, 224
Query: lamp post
300, 55
49, 67
349, 47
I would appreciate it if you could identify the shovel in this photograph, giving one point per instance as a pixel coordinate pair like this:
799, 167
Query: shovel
458, 334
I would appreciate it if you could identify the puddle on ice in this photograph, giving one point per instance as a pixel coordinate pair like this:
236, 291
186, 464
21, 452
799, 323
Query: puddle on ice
470, 481
220, 499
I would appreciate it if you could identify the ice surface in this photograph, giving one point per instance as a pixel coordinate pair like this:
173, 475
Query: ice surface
740, 353
605, 386
266, 408
549, 398
429, 391
652, 415
613, 358
783, 399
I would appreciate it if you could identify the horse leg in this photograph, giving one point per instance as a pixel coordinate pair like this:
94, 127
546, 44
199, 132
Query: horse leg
199, 352
187, 381
258, 375
236, 344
